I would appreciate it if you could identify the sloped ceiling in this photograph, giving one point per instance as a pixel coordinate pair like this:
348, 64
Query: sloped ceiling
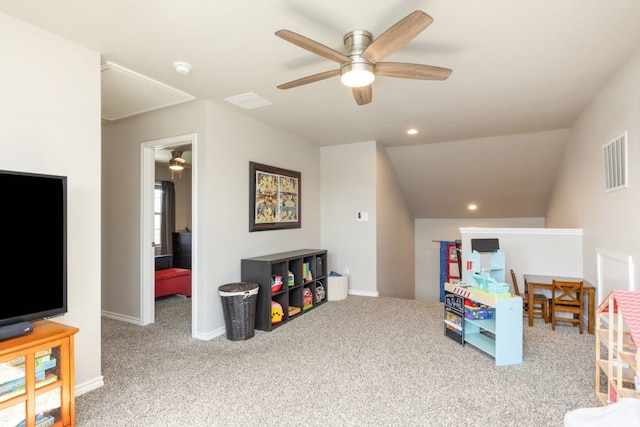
522, 70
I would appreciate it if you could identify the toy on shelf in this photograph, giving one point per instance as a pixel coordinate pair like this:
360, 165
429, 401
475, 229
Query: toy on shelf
276, 283
291, 279
489, 284
320, 292
306, 272
307, 299
475, 310
276, 313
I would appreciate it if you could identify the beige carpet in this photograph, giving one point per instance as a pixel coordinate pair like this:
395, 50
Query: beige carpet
357, 362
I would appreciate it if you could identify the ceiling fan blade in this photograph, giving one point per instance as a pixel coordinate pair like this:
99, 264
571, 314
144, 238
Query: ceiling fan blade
309, 79
412, 71
397, 36
312, 46
362, 95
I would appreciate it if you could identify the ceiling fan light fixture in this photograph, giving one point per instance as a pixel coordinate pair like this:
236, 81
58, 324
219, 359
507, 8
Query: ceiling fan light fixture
357, 74
175, 165
177, 162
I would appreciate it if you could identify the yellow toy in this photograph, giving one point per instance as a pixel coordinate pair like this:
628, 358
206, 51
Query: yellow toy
276, 313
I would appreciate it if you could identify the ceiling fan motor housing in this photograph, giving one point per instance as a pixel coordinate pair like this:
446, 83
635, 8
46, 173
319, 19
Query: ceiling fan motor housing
352, 73
357, 41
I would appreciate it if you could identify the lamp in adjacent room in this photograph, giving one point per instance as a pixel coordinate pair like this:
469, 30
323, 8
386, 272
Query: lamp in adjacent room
176, 163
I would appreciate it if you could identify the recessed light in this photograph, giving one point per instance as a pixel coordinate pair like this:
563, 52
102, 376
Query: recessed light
412, 132
182, 68
472, 207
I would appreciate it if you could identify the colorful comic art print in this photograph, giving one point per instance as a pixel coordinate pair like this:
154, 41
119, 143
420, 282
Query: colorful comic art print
275, 198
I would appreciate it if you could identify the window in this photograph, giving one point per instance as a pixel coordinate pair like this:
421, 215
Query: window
157, 214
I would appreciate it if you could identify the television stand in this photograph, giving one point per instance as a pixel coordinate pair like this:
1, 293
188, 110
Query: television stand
15, 330
38, 373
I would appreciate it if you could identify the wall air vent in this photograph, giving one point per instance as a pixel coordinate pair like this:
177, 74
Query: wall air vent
614, 154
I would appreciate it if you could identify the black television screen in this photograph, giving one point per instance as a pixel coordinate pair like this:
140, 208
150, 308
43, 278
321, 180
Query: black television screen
34, 249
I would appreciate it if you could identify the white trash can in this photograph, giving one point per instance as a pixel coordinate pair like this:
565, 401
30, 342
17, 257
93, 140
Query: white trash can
337, 287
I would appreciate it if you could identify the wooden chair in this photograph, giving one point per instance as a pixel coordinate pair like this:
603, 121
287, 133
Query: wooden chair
540, 302
567, 297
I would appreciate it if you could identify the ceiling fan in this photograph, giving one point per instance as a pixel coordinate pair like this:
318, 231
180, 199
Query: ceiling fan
361, 64
177, 162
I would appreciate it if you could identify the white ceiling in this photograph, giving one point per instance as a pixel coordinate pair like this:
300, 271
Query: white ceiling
519, 67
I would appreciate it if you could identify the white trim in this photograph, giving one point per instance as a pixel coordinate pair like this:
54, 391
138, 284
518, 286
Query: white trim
364, 293
616, 256
120, 317
147, 246
88, 386
532, 231
147, 297
210, 335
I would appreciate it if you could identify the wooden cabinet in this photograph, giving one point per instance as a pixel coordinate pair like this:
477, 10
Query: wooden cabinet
37, 377
182, 249
499, 336
617, 342
304, 284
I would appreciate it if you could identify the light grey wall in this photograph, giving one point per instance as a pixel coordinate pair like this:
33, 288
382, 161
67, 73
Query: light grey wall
227, 141
50, 123
394, 232
427, 251
610, 220
349, 187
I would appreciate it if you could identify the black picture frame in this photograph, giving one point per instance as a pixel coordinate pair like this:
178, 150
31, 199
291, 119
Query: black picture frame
274, 198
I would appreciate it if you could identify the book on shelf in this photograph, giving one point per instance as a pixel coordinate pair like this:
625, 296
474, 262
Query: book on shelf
38, 354
19, 382
13, 370
293, 310
42, 420
43, 362
48, 379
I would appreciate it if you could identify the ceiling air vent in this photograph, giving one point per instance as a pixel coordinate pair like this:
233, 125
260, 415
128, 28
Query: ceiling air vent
614, 154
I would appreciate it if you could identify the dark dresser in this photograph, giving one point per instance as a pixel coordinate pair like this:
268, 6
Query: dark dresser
182, 249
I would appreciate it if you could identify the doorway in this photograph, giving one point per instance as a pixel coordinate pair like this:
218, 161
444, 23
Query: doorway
151, 150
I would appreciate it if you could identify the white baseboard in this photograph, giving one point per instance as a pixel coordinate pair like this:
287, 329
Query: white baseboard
364, 293
116, 316
210, 335
87, 386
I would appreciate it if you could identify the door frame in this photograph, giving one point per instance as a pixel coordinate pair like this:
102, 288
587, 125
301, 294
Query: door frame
147, 249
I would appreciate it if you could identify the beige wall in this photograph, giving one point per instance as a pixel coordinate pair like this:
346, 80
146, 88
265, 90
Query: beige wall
349, 187
226, 143
50, 123
610, 220
395, 232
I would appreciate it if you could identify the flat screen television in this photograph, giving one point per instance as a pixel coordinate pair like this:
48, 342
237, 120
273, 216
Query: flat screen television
33, 215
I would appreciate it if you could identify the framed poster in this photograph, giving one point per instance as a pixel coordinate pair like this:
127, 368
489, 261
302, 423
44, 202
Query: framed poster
274, 198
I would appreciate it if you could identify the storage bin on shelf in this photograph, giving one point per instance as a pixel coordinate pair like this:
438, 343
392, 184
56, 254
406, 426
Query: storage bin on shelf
479, 313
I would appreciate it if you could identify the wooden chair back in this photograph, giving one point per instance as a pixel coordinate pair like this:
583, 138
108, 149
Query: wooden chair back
516, 290
567, 297
540, 304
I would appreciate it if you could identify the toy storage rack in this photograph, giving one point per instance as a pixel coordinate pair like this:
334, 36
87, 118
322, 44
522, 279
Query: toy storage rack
501, 336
